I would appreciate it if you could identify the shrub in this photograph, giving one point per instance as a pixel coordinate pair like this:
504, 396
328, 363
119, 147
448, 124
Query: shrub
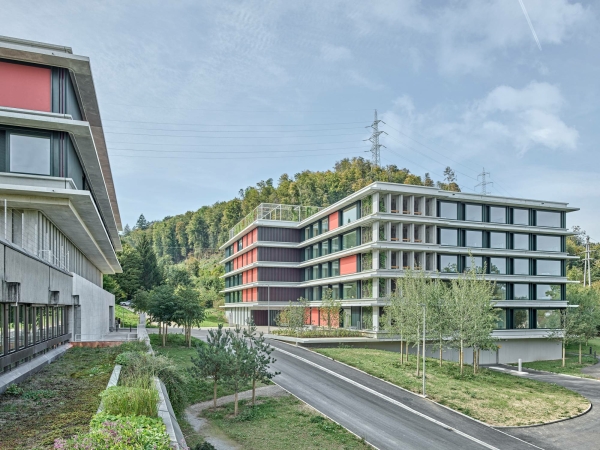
119, 433
125, 358
14, 389
205, 446
130, 401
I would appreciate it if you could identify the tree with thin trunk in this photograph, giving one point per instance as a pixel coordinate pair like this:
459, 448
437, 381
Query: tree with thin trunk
437, 315
188, 312
329, 309
261, 359
394, 317
213, 360
161, 306
241, 363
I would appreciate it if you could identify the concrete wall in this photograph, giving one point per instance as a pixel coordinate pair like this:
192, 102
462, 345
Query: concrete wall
95, 304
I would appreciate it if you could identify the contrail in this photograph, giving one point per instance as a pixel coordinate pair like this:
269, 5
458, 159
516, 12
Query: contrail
537, 41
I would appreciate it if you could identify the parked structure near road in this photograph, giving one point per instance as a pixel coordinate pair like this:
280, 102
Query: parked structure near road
360, 245
59, 217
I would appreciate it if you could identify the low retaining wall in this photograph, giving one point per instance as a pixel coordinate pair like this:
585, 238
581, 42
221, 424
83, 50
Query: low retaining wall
97, 344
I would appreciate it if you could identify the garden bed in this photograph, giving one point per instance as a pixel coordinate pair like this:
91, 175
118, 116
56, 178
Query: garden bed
321, 333
496, 398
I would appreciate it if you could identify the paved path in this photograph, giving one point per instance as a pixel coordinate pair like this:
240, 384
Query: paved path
581, 433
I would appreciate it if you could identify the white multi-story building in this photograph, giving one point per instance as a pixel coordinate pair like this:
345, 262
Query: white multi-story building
360, 245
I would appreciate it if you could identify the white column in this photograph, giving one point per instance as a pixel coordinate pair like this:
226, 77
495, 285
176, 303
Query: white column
375, 287
388, 259
375, 259
388, 231
375, 318
375, 231
388, 203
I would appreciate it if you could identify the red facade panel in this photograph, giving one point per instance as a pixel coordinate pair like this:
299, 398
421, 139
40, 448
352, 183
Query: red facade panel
314, 316
26, 87
348, 265
334, 220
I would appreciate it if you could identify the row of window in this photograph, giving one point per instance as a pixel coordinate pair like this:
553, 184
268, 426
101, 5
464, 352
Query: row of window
524, 318
501, 265
500, 240
347, 215
500, 214
27, 325
336, 244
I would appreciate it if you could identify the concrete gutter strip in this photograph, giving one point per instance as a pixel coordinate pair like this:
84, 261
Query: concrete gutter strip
114, 379
165, 412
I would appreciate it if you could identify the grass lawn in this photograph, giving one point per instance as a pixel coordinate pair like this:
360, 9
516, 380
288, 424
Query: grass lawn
214, 316
128, 318
57, 402
585, 349
572, 366
492, 397
281, 424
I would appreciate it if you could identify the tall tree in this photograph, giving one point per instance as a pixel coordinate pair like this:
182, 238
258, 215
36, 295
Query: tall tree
142, 223
162, 307
188, 311
130, 280
151, 275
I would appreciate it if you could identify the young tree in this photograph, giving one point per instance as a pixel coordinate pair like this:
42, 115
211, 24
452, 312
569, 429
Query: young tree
213, 359
188, 312
437, 314
294, 316
161, 307
330, 309
241, 363
261, 357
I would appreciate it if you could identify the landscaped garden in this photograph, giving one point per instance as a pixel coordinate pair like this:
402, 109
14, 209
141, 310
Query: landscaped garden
495, 398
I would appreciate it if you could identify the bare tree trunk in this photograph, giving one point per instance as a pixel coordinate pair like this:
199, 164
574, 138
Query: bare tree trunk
164, 335
406, 349
563, 354
580, 353
474, 361
253, 390
441, 350
235, 408
215, 393
401, 351
461, 356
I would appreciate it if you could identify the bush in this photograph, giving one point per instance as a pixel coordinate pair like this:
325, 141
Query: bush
336, 332
205, 446
174, 340
14, 389
124, 359
130, 401
120, 433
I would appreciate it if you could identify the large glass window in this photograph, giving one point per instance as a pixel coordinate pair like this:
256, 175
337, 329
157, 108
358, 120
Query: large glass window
520, 266
548, 292
350, 214
498, 214
316, 293
521, 318
324, 270
497, 239
335, 268
307, 253
548, 267
500, 291
520, 241
29, 154
448, 210
315, 251
335, 244
350, 240
548, 243
324, 248
548, 219
449, 263
350, 290
308, 273
12, 328
520, 216
501, 323
315, 229
315, 273
306, 233
474, 213
498, 266
477, 260
2, 329
548, 318
325, 225
335, 292
449, 236
21, 342
474, 238
29, 312
520, 291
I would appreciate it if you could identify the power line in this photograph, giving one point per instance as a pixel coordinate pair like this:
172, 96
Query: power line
233, 145
484, 184
228, 152
231, 137
374, 139
236, 110
226, 159
236, 131
228, 125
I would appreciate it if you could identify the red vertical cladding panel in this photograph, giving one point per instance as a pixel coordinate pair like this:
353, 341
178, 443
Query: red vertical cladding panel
25, 87
255, 294
348, 265
235, 249
255, 235
314, 316
255, 273
334, 219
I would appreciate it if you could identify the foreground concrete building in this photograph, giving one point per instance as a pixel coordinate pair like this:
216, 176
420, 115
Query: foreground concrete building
359, 246
59, 217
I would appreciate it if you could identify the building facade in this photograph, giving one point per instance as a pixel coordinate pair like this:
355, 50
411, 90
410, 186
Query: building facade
59, 217
359, 246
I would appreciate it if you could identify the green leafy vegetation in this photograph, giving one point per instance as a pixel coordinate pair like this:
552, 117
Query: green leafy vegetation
493, 397
120, 433
320, 333
130, 401
571, 367
281, 424
127, 317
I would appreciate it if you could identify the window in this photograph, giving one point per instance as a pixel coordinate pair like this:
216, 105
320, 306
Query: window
520, 241
548, 243
549, 267
315, 229
548, 318
449, 236
497, 240
307, 273
520, 291
29, 154
520, 216
316, 293
315, 273
498, 266
498, 214
2, 330
448, 210
335, 292
520, 266
306, 233
21, 342
335, 268
325, 225
325, 270
548, 292
350, 290
240, 244
335, 244
474, 238
449, 263
350, 240
501, 323
324, 248
478, 260
315, 251
307, 253
29, 310
548, 219
12, 328
521, 318
499, 291
474, 213
350, 214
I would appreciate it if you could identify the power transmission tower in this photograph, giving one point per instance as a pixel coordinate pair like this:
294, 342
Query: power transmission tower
374, 139
484, 183
587, 264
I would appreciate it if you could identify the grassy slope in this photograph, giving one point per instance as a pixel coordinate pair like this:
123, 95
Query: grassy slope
492, 397
128, 318
572, 366
281, 424
214, 317
58, 402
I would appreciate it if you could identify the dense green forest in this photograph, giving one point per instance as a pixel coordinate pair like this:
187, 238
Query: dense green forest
183, 249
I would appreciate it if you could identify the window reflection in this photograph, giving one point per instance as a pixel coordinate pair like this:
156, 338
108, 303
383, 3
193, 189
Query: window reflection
520, 216
548, 318
449, 263
520, 241
449, 236
498, 266
520, 266
474, 213
350, 214
474, 238
498, 214
520, 291
448, 210
548, 292
548, 219
521, 318
548, 267
548, 243
497, 239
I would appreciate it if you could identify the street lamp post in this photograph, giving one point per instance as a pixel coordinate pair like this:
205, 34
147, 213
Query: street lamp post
424, 394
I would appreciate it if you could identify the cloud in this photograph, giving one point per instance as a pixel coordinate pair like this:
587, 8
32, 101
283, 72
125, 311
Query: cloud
335, 53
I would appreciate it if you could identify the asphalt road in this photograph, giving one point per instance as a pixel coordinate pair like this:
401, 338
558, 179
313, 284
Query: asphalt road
385, 416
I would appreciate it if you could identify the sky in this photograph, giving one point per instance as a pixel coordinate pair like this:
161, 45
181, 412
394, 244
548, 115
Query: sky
200, 99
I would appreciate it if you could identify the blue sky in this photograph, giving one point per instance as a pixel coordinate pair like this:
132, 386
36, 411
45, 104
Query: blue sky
201, 99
